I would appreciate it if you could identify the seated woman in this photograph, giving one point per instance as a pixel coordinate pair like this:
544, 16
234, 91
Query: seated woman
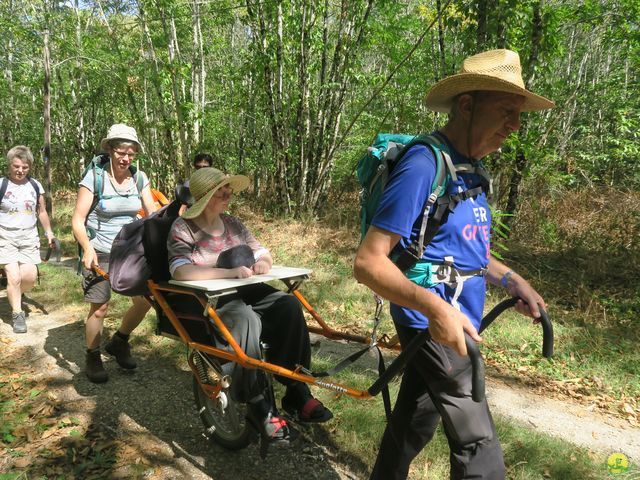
255, 313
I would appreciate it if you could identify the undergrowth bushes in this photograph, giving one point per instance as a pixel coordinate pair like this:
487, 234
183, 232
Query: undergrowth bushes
598, 219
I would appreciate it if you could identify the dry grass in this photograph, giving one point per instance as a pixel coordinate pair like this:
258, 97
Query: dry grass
599, 220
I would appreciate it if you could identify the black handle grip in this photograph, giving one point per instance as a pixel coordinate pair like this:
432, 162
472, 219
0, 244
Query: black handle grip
477, 369
50, 250
545, 321
477, 364
411, 349
496, 311
547, 333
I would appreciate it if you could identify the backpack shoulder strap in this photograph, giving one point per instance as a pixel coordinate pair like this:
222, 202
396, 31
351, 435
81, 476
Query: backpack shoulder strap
4, 183
97, 167
430, 223
139, 178
35, 187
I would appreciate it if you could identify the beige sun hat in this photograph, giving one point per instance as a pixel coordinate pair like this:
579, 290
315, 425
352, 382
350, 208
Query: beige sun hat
120, 131
205, 182
495, 70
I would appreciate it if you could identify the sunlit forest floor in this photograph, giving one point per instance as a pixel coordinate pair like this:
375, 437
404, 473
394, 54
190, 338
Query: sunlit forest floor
593, 298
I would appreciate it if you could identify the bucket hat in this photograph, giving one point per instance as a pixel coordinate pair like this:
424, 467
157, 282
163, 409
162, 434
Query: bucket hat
120, 131
494, 70
205, 182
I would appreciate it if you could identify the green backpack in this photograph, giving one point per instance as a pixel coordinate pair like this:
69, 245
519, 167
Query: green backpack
373, 172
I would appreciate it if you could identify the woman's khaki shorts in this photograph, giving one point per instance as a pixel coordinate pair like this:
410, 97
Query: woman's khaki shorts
96, 289
19, 246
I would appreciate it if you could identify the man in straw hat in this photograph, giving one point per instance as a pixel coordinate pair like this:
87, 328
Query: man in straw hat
484, 101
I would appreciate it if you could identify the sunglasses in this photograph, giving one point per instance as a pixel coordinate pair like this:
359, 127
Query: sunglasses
120, 154
226, 195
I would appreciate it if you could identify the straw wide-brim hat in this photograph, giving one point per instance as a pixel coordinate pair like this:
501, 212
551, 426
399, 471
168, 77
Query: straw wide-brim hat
205, 182
495, 70
122, 132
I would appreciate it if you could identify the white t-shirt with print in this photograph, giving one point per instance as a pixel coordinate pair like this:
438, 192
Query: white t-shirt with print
18, 206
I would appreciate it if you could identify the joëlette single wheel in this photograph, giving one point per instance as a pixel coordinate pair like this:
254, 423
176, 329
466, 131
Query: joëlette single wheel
224, 419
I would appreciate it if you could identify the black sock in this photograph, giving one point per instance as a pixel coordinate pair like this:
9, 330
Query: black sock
93, 350
260, 408
121, 335
298, 393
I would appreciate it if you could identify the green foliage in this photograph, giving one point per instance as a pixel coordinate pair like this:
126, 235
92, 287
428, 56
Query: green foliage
278, 106
499, 232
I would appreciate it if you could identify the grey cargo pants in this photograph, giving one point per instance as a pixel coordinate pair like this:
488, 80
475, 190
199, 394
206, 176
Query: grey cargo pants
437, 385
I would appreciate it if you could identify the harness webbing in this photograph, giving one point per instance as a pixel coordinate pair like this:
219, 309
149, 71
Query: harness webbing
4, 184
441, 202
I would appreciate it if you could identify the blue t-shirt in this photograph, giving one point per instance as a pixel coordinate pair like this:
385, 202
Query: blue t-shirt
114, 211
465, 235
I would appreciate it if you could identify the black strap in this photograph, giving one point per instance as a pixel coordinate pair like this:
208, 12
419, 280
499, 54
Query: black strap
3, 187
386, 398
5, 184
444, 205
343, 364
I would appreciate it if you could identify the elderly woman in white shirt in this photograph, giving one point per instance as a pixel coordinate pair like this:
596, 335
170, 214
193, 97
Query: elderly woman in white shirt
21, 206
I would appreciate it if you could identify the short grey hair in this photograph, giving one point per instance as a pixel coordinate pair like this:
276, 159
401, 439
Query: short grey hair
21, 152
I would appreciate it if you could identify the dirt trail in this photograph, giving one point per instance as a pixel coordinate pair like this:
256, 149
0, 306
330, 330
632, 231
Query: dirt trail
152, 412
566, 420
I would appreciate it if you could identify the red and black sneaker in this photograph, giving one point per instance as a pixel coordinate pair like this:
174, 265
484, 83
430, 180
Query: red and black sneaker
311, 411
278, 431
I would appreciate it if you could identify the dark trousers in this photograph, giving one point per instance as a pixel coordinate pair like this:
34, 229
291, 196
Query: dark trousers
437, 385
263, 313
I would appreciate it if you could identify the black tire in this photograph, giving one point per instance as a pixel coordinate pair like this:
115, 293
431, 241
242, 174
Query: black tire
229, 427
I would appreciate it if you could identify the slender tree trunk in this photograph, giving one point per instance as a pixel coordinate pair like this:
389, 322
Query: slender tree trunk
481, 35
47, 125
521, 161
198, 75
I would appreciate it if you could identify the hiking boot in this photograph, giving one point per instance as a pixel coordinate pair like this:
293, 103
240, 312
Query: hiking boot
93, 367
19, 322
119, 348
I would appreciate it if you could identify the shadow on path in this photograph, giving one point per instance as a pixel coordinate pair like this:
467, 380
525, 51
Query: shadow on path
156, 400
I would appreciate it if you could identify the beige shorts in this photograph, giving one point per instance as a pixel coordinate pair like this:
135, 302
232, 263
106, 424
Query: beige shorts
19, 246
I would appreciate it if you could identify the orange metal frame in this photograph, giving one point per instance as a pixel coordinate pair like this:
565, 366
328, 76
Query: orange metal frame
239, 356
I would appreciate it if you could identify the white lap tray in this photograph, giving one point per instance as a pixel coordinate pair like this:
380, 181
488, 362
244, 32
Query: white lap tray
224, 286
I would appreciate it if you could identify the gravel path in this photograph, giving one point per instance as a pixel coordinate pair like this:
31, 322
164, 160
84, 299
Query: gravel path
153, 411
